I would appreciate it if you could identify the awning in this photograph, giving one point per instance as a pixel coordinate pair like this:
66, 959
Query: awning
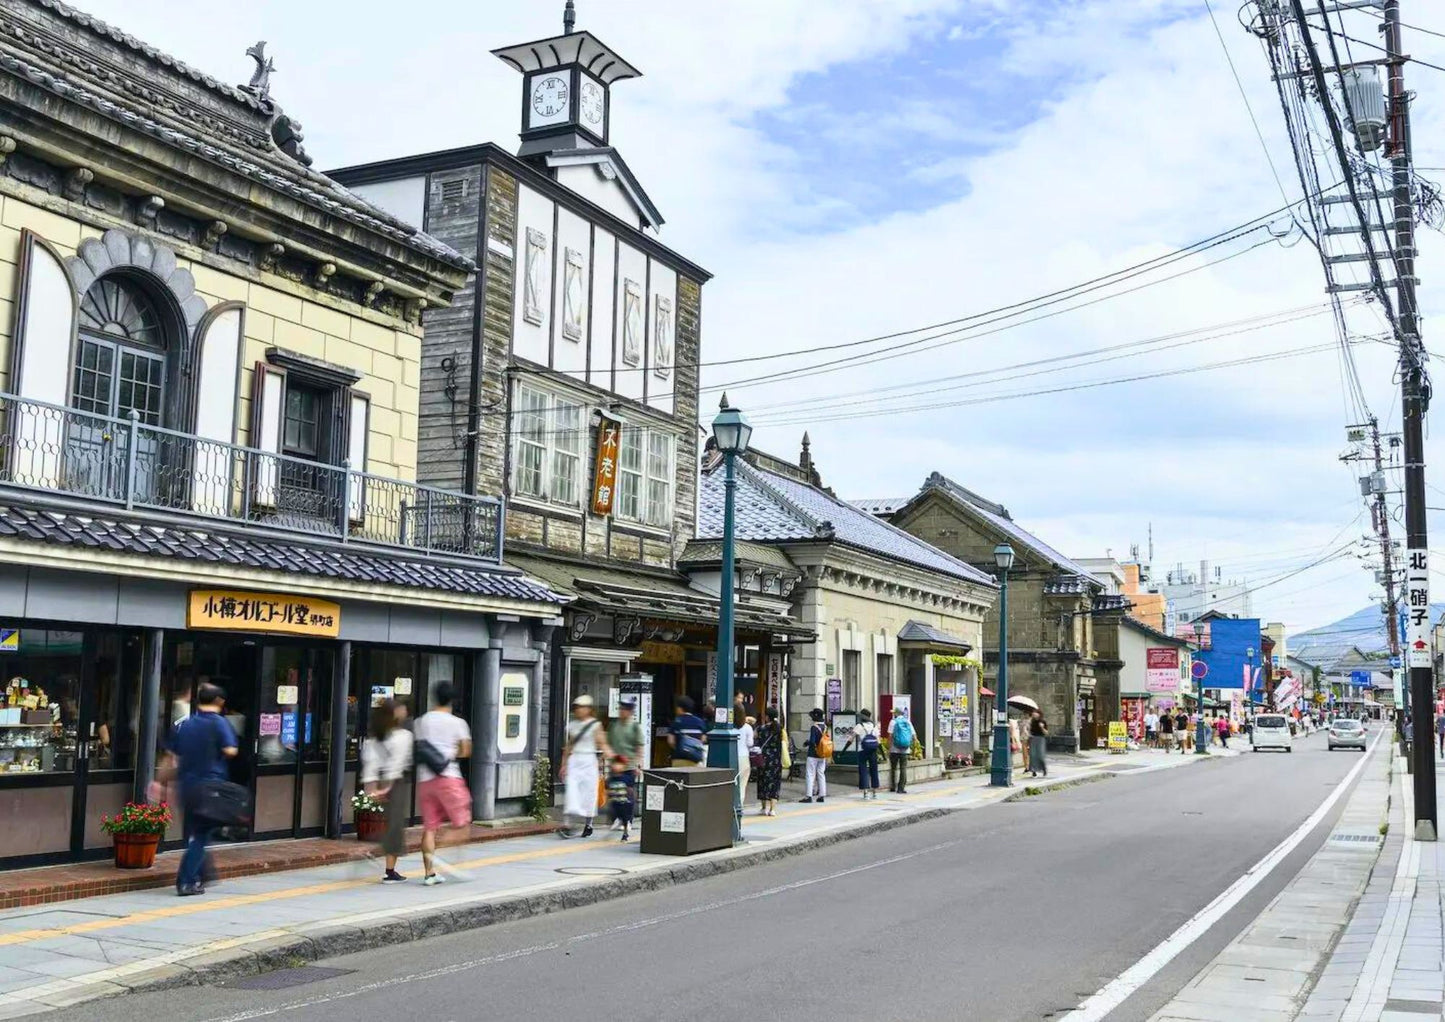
917, 633
655, 595
984, 690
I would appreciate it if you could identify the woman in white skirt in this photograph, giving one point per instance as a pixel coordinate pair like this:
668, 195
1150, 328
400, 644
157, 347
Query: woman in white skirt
585, 743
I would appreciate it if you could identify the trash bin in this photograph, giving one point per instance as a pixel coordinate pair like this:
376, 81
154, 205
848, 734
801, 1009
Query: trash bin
687, 811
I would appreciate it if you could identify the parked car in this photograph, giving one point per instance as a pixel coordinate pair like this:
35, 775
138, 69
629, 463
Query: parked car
1271, 731
1346, 733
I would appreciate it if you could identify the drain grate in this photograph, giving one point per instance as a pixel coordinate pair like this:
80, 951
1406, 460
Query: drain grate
281, 979
1362, 838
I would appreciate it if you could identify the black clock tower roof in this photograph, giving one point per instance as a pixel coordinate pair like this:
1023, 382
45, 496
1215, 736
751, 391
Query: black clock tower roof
581, 48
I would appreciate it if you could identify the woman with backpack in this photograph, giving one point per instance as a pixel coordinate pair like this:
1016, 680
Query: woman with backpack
866, 735
772, 742
820, 750
900, 751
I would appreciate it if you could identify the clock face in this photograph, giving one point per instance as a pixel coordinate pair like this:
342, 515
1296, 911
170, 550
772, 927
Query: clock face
594, 104
550, 97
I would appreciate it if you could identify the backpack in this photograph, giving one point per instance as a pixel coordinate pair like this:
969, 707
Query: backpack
869, 742
823, 747
903, 735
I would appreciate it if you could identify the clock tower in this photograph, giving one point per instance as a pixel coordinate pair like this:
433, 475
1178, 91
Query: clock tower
566, 89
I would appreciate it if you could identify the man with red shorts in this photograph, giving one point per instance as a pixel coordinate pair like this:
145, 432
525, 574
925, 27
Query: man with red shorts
441, 794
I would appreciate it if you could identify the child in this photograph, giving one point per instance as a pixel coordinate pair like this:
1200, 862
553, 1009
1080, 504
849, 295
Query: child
619, 794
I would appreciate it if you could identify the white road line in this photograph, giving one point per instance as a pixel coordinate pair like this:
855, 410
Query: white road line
1097, 1007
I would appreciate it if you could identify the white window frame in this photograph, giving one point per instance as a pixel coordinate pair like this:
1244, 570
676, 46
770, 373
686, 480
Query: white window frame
649, 514
554, 449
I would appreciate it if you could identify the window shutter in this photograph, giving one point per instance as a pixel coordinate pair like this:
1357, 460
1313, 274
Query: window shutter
40, 362
214, 467
268, 397
358, 428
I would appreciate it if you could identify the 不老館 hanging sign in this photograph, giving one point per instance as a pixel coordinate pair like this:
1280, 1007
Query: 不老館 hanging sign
604, 481
223, 609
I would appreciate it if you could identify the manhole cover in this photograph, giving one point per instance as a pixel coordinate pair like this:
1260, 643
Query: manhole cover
283, 978
591, 871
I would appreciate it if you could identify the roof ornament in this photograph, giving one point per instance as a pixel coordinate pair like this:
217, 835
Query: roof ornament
569, 18
260, 84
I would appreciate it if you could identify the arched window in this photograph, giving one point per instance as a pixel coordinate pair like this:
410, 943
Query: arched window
122, 357
120, 363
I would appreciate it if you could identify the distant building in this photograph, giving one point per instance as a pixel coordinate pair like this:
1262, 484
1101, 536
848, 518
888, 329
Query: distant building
1194, 595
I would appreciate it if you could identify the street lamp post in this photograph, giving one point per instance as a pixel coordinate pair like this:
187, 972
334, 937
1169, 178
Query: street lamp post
1201, 730
1000, 774
732, 432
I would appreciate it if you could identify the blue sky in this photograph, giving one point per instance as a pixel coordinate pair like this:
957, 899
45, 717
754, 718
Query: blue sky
857, 167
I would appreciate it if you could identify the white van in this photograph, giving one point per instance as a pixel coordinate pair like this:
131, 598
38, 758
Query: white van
1271, 731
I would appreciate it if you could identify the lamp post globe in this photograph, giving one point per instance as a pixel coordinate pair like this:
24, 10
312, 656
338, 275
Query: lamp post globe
732, 432
1000, 772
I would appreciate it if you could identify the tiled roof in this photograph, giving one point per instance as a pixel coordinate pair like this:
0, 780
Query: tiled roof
253, 153
918, 631
880, 505
1066, 585
334, 562
773, 508
707, 551
1111, 601
997, 516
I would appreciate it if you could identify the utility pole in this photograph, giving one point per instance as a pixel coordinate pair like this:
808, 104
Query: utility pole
1414, 398
1380, 514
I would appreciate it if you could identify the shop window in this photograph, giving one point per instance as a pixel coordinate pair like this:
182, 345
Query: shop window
40, 717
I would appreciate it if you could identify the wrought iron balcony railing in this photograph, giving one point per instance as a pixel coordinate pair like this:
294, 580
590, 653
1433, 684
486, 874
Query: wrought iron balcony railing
129, 464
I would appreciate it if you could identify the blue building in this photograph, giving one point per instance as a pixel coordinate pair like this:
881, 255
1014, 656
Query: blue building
1231, 652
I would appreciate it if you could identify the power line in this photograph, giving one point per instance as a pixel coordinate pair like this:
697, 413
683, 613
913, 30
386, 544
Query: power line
1258, 133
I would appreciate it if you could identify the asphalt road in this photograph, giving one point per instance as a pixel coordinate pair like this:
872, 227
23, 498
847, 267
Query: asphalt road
1013, 912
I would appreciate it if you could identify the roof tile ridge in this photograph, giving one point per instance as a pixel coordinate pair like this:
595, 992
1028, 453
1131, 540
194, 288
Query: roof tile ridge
781, 498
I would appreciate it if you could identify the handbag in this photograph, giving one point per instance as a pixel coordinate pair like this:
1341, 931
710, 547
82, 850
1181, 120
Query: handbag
222, 803
755, 758
429, 756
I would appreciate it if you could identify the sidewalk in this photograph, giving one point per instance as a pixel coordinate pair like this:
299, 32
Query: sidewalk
57, 956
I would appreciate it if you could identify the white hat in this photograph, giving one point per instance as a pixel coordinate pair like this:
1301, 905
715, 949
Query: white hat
583, 700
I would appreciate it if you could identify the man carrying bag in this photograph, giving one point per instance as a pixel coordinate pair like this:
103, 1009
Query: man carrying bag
199, 747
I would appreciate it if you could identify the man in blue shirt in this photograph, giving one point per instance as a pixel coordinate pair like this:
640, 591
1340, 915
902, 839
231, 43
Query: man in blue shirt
199, 747
689, 748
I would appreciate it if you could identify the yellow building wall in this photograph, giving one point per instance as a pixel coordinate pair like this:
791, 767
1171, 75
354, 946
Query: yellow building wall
279, 312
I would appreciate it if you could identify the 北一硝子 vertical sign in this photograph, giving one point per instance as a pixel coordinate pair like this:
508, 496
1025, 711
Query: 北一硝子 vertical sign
1417, 607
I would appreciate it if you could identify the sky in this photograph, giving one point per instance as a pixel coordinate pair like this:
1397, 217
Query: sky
866, 167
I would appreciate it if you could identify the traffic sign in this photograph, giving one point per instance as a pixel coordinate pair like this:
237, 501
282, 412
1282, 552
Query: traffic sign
1198, 670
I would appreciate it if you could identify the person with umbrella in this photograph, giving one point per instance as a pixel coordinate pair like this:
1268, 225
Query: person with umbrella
1020, 729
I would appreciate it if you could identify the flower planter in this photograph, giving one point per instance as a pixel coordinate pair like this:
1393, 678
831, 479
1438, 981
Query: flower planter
135, 851
370, 825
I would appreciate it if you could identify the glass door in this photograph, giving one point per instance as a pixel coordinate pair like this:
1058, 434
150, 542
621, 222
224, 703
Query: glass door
294, 683
100, 723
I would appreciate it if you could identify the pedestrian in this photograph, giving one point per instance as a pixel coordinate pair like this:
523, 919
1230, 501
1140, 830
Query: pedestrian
1221, 728
740, 710
198, 749
1038, 740
771, 743
1166, 730
1016, 741
621, 794
1181, 730
441, 738
1151, 729
1440, 730
820, 749
584, 745
865, 733
900, 751
686, 736
626, 741
747, 742
385, 761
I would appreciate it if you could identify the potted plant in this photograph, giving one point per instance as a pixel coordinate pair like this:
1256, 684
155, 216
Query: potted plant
135, 832
370, 817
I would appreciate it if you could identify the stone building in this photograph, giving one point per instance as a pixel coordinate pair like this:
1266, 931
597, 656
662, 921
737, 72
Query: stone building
209, 373
1056, 608
565, 375
893, 616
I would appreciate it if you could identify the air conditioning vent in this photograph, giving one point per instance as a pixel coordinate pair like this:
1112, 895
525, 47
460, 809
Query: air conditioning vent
453, 190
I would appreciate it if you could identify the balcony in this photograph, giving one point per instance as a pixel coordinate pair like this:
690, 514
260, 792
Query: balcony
123, 463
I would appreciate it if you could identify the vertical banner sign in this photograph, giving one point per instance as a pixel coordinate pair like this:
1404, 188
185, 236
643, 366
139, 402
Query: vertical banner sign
604, 481
835, 695
775, 682
712, 676
1417, 606
1161, 669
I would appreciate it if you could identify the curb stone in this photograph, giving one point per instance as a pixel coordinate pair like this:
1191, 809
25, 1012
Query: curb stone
333, 939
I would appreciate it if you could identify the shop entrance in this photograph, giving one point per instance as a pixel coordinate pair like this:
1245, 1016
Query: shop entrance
277, 698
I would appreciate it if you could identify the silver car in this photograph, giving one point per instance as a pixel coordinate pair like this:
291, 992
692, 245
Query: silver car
1347, 734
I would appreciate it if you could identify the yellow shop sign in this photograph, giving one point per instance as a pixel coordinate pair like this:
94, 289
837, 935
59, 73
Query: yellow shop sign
263, 612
